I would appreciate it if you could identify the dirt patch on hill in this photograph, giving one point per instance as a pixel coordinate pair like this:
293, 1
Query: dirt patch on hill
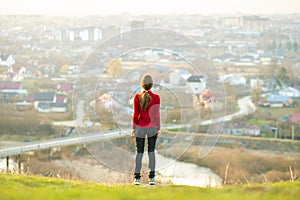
88, 169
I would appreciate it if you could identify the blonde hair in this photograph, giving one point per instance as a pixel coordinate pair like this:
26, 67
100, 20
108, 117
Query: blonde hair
145, 98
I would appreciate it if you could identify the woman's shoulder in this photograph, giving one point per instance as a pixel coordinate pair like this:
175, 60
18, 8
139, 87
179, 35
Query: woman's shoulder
137, 96
154, 94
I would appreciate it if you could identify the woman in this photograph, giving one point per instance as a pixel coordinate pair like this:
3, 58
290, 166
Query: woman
146, 123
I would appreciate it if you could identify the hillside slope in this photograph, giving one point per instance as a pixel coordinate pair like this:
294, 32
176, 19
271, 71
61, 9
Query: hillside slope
34, 187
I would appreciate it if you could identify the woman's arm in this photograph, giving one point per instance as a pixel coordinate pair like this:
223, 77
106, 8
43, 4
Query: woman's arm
157, 112
136, 111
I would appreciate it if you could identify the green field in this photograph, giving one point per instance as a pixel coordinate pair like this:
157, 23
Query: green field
33, 187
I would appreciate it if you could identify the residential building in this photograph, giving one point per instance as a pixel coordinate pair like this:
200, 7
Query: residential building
241, 129
195, 84
255, 23
6, 59
44, 97
278, 101
295, 118
233, 79
289, 92
178, 77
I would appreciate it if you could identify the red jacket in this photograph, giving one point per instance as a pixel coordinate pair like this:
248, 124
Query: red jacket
150, 118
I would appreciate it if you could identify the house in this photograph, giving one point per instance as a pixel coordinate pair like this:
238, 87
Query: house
106, 101
195, 84
256, 83
13, 95
44, 107
265, 59
10, 85
233, 79
241, 129
51, 107
44, 97
289, 92
178, 77
24, 105
278, 101
12, 91
58, 107
228, 57
6, 60
64, 88
61, 98
17, 73
295, 118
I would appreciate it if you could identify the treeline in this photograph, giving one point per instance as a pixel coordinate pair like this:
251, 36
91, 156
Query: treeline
25, 123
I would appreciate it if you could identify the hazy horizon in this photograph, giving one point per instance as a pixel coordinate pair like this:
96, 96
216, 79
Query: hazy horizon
135, 7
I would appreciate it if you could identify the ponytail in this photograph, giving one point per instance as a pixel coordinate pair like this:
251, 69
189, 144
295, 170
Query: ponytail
145, 98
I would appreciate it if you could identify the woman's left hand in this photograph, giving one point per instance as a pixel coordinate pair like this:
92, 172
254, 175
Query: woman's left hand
158, 133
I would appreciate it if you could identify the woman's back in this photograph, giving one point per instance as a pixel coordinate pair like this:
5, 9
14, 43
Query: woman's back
150, 117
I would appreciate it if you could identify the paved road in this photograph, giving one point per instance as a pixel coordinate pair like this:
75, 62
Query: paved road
98, 136
246, 107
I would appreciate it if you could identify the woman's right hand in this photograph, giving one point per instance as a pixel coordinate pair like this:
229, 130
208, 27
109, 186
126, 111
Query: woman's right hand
132, 133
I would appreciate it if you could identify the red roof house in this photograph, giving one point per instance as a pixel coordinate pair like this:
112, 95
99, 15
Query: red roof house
295, 117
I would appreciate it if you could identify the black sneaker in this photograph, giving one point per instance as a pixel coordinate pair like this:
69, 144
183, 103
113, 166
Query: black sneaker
137, 181
152, 181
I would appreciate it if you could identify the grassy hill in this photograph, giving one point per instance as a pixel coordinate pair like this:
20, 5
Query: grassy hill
34, 187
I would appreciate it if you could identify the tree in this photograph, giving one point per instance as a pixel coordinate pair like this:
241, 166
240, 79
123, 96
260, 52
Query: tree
255, 95
289, 46
64, 69
114, 68
282, 77
295, 46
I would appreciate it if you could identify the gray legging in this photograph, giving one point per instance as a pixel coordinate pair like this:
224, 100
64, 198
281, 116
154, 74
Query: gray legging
140, 135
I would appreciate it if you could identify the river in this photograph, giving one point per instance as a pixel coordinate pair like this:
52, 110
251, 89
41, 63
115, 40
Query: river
181, 173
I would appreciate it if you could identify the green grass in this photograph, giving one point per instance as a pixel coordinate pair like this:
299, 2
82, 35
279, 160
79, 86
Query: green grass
33, 187
278, 113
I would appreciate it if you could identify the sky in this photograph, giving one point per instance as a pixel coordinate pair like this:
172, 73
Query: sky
138, 7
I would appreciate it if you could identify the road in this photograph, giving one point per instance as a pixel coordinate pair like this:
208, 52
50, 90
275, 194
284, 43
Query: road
22, 148
245, 106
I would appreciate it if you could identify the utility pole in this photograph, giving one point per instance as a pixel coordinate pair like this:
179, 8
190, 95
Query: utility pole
293, 132
276, 131
7, 164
